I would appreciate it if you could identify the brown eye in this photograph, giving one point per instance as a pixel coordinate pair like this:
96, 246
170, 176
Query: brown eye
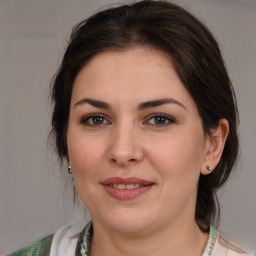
97, 120
94, 120
160, 120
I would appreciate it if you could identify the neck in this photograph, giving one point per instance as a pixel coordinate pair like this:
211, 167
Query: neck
179, 239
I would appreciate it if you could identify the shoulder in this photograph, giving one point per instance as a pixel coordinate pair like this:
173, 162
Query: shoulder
66, 239
233, 249
39, 248
63, 242
224, 246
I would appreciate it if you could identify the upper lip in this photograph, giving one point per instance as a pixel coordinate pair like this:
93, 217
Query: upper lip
126, 181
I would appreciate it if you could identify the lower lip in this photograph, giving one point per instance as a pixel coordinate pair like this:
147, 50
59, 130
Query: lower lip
126, 194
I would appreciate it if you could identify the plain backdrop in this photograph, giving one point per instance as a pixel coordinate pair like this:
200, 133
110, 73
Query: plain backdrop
34, 200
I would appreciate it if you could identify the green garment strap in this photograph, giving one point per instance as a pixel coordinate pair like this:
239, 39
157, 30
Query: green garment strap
211, 242
40, 248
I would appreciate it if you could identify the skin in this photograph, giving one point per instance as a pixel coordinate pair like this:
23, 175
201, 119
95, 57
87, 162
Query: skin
128, 141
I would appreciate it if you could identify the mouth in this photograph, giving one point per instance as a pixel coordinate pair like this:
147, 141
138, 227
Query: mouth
124, 189
123, 186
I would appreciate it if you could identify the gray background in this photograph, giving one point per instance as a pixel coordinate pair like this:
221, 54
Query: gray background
33, 198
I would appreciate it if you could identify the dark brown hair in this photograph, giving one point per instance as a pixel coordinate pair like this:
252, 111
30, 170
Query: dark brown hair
198, 62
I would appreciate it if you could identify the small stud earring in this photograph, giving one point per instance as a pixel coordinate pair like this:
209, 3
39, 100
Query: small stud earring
69, 167
209, 168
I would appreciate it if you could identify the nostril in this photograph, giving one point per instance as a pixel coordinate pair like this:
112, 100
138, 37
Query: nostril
118, 161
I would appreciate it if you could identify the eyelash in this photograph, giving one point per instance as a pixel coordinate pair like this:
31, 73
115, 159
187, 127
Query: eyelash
167, 118
164, 117
85, 119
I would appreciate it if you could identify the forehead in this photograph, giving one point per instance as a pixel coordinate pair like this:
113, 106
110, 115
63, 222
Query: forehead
139, 74
144, 60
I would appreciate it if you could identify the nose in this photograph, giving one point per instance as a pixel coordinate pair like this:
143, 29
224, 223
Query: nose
125, 147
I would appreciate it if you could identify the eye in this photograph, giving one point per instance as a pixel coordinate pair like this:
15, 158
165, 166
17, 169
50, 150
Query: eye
94, 120
160, 120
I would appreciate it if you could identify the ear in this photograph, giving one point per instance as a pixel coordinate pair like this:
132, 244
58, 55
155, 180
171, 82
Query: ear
214, 146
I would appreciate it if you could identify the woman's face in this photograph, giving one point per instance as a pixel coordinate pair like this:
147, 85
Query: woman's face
136, 142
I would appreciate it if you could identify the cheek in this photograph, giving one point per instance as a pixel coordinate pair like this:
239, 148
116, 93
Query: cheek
177, 162
85, 153
178, 158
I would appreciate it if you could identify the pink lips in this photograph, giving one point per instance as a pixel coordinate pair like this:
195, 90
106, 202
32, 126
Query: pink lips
125, 194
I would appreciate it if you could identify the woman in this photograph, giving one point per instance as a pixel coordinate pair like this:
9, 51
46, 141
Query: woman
145, 115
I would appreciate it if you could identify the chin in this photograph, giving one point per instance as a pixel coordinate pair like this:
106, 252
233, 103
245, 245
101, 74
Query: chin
128, 222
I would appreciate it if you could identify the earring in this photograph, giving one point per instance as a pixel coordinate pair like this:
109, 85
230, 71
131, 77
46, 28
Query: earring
69, 167
209, 168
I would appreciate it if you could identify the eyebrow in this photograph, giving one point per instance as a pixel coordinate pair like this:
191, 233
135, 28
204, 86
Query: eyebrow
142, 106
156, 103
95, 103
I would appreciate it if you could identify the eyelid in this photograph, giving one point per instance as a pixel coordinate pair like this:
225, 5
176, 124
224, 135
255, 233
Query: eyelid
170, 119
154, 115
85, 118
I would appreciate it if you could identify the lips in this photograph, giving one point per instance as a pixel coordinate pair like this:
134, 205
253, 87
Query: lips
124, 189
123, 186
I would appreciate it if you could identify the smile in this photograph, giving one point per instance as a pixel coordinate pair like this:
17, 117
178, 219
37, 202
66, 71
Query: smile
126, 189
124, 186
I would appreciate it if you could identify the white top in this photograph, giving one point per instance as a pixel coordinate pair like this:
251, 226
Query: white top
65, 241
